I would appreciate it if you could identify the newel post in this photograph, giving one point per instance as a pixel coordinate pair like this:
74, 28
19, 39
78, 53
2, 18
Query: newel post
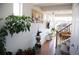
56, 38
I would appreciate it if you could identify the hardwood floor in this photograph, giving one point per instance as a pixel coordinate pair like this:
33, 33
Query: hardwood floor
48, 48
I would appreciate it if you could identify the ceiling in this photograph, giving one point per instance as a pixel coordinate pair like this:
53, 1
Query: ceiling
50, 4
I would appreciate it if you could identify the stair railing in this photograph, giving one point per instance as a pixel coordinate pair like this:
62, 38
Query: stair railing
66, 28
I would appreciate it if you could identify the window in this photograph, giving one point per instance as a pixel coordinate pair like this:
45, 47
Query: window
17, 9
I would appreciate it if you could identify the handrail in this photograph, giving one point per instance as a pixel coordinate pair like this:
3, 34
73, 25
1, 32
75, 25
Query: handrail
65, 27
60, 31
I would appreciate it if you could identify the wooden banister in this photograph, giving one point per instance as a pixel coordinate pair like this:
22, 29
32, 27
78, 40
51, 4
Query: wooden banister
65, 27
57, 33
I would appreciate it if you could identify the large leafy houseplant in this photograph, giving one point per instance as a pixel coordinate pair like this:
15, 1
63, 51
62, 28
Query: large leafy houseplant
3, 33
14, 24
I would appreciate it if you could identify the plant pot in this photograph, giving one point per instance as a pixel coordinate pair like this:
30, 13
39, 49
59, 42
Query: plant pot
19, 52
9, 53
38, 39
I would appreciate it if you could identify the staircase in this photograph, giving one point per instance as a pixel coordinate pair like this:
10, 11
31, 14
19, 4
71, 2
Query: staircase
65, 35
63, 40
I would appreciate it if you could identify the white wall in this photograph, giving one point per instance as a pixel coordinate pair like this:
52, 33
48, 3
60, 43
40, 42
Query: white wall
27, 9
5, 10
74, 47
22, 40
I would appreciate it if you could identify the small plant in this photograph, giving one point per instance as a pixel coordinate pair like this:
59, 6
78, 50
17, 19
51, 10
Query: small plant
19, 52
29, 51
9, 53
53, 31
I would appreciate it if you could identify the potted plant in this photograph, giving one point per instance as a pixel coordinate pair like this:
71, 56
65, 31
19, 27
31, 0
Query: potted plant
38, 45
19, 52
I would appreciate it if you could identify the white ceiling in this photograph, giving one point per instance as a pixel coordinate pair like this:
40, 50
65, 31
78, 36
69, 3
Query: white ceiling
50, 4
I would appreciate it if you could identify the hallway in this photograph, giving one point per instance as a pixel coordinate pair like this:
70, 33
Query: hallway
48, 48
